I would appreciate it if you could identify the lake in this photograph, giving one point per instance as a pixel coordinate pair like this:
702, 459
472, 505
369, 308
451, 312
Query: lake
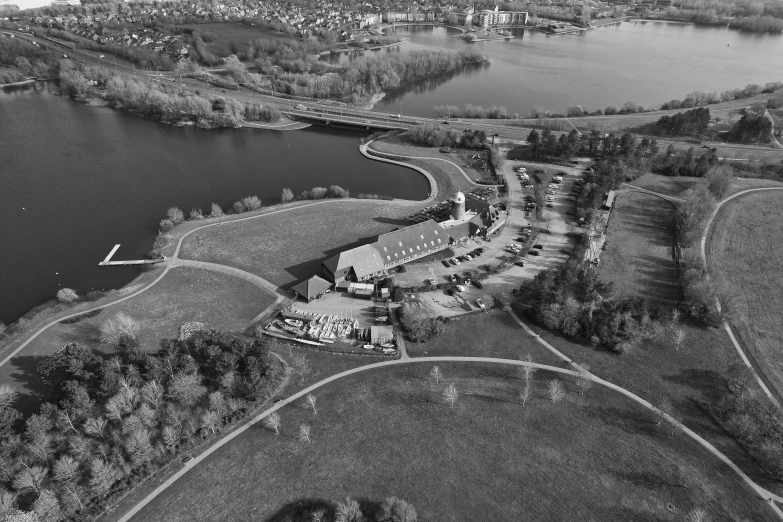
75, 180
645, 62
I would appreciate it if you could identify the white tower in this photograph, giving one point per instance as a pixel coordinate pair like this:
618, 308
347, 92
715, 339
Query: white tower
458, 206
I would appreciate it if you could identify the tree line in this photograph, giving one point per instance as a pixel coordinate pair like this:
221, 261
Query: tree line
438, 136
470, 111
109, 421
688, 123
20, 59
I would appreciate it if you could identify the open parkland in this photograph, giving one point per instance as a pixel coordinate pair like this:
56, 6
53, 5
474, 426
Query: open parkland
603, 451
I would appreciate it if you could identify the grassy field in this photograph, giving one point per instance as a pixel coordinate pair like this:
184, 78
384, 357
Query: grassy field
591, 457
290, 246
744, 252
183, 295
638, 250
668, 185
226, 32
449, 178
494, 334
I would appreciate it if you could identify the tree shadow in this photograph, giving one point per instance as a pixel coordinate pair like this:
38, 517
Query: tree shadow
32, 390
311, 267
301, 510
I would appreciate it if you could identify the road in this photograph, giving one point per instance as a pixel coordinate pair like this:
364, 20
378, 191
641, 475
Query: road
321, 110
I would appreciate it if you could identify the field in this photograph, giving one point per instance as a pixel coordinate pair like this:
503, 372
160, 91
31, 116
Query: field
744, 253
223, 33
494, 334
449, 178
638, 249
183, 295
590, 457
290, 246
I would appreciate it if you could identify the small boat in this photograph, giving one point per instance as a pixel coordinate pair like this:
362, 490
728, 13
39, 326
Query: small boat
368, 346
381, 319
387, 345
323, 319
356, 324
327, 341
294, 322
389, 351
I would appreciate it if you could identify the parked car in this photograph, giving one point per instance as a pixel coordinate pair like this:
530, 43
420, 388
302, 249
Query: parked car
538, 246
468, 257
550, 192
480, 303
549, 205
570, 198
533, 252
455, 260
453, 278
431, 281
446, 263
301, 107
519, 263
550, 198
554, 185
478, 284
467, 281
558, 179
460, 288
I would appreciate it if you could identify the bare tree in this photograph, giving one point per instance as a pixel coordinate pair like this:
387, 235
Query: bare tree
121, 325
216, 211
273, 422
527, 370
196, 213
556, 392
697, 515
30, 478
310, 401
7, 395
319, 515
436, 374
66, 469
678, 336
583, 379
524, 395
675, 316
451, 394
304, 433
299, 366
210, 420
348, 511
664, 407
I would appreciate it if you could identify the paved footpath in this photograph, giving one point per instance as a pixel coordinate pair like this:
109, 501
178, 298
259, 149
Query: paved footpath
746, 358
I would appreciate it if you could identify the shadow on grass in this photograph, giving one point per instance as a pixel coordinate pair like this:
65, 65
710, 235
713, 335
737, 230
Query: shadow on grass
313, 266
302, 509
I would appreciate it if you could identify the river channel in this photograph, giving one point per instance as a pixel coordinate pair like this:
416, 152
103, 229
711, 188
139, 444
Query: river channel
75, 180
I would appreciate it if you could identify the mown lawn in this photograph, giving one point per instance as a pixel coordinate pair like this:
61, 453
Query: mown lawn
744, 253
638, 250
290, 246
494, 334
448, 177
185, 294
388, 432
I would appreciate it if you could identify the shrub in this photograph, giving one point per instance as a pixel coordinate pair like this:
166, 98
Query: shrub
67, 295
318, 193
336, 191
251, 203
398, 295
216, 211
165, 225
238, 207
175, 215
196, 213
610, 110
287, 195
419, 327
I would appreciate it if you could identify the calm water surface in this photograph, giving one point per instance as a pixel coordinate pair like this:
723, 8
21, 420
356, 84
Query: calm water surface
75, 180
644, 62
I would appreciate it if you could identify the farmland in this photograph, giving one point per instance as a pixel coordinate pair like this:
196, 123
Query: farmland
488, 458
638, 257
744, 253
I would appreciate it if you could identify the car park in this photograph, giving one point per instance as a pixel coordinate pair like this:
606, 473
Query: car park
480, 303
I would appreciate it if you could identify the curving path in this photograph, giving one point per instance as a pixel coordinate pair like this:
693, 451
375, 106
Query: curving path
745, 357
772, 130
763, 494
465, 174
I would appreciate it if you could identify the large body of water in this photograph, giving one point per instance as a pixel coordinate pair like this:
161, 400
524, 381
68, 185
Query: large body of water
75, 180
645, 62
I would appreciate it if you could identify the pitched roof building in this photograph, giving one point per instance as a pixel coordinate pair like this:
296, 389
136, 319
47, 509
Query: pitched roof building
409, 243
358, 264
311, 288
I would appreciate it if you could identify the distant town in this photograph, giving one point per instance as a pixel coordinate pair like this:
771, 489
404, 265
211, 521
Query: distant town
135, 25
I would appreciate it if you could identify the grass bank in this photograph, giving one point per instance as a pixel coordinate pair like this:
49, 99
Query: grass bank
593, 456
185, 294
639, 247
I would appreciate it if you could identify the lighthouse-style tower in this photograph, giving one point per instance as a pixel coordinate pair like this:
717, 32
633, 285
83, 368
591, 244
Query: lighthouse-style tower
458, 206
